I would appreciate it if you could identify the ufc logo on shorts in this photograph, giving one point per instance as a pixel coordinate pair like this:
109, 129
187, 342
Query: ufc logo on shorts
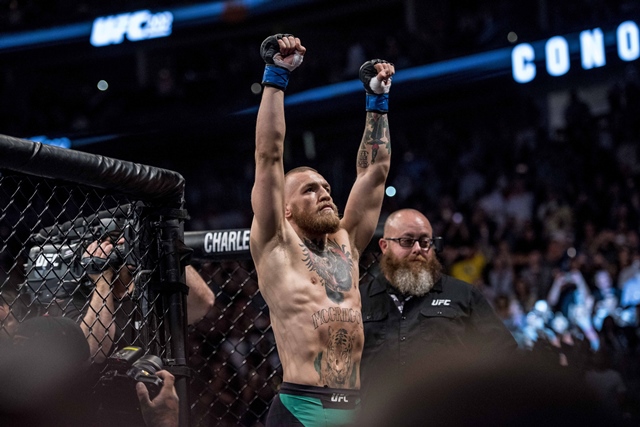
441, 302
338, 397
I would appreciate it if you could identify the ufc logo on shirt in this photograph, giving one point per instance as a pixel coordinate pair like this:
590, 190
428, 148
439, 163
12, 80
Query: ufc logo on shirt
441, 302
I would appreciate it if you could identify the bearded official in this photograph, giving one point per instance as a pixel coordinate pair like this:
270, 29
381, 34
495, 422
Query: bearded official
412, 312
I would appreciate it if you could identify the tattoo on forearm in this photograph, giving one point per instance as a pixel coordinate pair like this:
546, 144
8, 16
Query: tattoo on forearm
334, 266
363, 159
335, 365
376, 131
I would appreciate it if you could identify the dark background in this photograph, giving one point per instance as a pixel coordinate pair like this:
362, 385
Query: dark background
170, 101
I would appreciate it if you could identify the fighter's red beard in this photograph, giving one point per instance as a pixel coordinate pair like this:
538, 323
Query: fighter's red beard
323, 222
415, 276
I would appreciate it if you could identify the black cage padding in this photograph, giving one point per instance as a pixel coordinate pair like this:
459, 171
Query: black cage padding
141, 181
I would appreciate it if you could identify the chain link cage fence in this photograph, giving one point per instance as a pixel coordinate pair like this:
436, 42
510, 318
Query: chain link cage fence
55, 204
232, 352
97, 240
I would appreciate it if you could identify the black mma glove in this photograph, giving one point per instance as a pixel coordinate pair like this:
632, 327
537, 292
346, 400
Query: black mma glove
377, 91
276, 70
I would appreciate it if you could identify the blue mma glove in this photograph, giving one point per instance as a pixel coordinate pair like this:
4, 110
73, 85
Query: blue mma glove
276, 70
377, 91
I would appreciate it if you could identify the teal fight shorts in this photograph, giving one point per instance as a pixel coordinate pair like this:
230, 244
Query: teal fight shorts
309, 406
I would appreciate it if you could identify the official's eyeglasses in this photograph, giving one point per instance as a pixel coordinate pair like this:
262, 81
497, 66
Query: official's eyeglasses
407, 242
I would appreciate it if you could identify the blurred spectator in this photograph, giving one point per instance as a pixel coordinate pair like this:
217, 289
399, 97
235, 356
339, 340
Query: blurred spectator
578, 120
628, 264
631, 292
356, 56
607, 384
495, 203
11, 309
495, 391
501, 274
45, 377
519, 203
524, 296
613, 344
555, 214
568, 288
538, 273
469, 267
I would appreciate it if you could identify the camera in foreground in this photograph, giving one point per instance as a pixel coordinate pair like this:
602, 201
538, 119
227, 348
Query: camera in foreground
130, 365
116, 387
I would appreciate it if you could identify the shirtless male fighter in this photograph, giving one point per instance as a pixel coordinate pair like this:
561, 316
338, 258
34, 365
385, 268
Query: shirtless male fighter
306, 255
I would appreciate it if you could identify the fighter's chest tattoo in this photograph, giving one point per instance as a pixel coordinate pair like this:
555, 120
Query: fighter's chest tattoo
333, 264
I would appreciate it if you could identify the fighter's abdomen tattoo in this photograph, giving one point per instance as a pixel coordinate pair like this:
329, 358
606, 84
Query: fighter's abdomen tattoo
334, 266
335, 365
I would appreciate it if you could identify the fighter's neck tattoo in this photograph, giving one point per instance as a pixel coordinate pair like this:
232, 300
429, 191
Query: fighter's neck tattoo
332, 263
316, 246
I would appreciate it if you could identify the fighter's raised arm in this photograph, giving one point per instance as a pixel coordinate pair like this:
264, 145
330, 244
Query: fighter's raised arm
374, 156
282, 53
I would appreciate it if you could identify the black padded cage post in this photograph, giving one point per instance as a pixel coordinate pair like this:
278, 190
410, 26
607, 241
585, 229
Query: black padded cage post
53, 203
174, 290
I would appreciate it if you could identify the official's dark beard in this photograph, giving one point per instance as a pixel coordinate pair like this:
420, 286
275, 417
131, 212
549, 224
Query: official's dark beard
318, 222
411, 277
